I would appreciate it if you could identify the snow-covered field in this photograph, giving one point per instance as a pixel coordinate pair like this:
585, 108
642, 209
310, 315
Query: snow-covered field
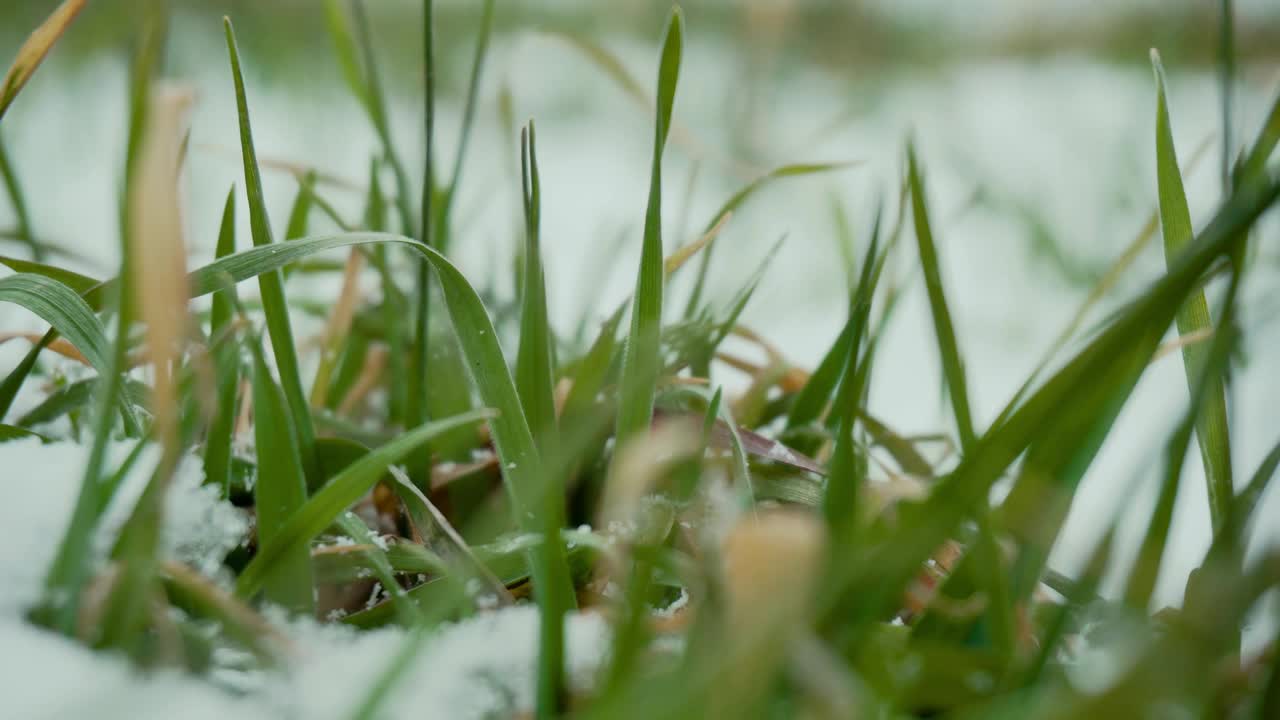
1069, 137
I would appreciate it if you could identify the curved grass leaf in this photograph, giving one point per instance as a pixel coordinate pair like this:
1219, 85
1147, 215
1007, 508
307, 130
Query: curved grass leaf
82, 284
34, 50
330, 501
641, 355
65, 310
272, 283
1175, 220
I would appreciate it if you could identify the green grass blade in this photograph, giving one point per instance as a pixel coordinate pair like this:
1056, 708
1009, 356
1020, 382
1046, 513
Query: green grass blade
394, 303
641, 356
82, 284
847, 471
218, 438
65, 310
417, 405
344, 47
75, 396
812, 399
944, 330
19, 204
377, 108
1227, 80
298, 214
534, 362
1146, 568
592, 371
1247, 500
13, 432
1175, 220
271, 284
330, 501
443, 218
16, 377
280, 492
1255, 162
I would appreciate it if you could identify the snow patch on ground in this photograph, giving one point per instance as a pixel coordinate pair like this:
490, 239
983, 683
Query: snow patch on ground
473, 669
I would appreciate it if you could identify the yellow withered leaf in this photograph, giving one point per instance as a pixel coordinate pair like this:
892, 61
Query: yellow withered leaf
33, 51
156, 244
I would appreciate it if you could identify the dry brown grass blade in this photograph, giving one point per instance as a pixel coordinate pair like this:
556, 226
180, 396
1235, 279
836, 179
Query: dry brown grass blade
677, 259
34, 50
156, 244
375, 365
59, 345
1187, 340
338, 326
299, 171
772, 567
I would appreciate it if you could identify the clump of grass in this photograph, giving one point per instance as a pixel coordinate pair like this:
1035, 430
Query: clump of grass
816, 592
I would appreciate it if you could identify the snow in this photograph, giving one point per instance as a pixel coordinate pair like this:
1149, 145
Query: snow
472, 669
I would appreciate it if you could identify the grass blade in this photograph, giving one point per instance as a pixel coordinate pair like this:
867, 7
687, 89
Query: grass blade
812, 399
226, 358
1146, 568
34, 50
534, 362
19, 203
592, 371
280, 491
948, 349
641, 356
376, 104
65, 310
345, 48
272, 283
1175, 220
82, 284
1227, 79
418, 402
